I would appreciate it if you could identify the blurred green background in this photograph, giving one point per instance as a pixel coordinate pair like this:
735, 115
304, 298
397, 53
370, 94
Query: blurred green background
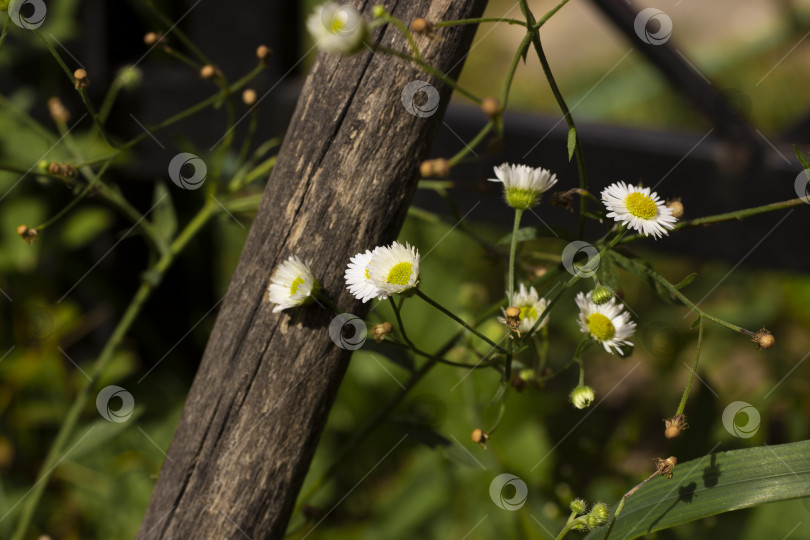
435, 483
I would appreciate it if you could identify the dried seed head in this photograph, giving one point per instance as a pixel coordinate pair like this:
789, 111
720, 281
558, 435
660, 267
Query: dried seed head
435, 167
666, 466
249, 97
491, 107
563, 199
208, 71
379, 331
676, 206
27, 234
764, 339
81, 78
673, 426
513, 312
421, 25
262, 52
151, 38
479, 436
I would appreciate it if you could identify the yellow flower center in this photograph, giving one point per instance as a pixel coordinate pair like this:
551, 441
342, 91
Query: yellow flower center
367, 275
400, 274
600, 326
297, 282
640, 205
337, 24
528, 312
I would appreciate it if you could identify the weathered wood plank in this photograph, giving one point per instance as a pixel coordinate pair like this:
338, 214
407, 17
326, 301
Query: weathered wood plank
344, 177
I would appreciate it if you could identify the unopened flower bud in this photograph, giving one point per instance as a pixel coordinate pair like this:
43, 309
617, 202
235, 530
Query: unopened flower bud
262, 52
27, 234
601, 295
579, 506
435, 167
249, 97
479, 436
81, 78
130, 77
378, 11
208, 71
421, 25
598, 515
151, 38
582, 397
379, 331
58, 111
491, 107
677, 208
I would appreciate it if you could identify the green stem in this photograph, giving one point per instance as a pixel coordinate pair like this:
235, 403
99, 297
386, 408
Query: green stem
69, 424
538, 47
512, 252
403, 29
399, 322
431, 70
73, 201
5, 32
109, 100
682, 404
729, 216
453, 316
567, 527
548, 15
468, 147
459, 22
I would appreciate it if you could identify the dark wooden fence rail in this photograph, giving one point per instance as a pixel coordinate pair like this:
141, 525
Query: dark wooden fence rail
342, 183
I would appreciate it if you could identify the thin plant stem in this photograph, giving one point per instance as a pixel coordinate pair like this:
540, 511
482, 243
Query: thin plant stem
4, 32
71, 419
468, 147
460, 22
512, 252
401, 326
453, 316
682, 404
75, 199
403, 29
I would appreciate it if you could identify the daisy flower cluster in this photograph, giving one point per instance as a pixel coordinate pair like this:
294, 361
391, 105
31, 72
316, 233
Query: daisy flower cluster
382, 272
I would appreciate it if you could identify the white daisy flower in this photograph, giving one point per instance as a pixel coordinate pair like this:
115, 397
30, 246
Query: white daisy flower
394, 268
292, 284
337, 28
522, 184
530, 305
637, 208
608, 323
358, 279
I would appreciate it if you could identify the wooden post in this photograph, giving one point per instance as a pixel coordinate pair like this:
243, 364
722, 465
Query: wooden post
344, 178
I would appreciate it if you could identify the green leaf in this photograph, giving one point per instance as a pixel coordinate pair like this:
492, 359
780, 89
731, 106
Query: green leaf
83, 226
164, 217
711, 485
572, 142
685, 282
802, 159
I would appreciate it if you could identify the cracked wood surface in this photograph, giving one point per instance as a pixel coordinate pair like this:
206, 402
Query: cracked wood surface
343, 180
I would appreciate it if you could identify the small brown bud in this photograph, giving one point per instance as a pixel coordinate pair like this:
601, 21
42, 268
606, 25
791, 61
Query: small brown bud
28, 235
151, 38
58, 111
208, 72
673, 426
61, 169
249, 96
491, 107
435, 167
764, 339
81, 78
518, 383
420, 25
480, 436
512, 319
262, 52
676, 206
379, 331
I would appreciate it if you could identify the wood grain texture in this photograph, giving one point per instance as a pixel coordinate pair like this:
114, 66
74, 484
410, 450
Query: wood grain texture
342, 183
